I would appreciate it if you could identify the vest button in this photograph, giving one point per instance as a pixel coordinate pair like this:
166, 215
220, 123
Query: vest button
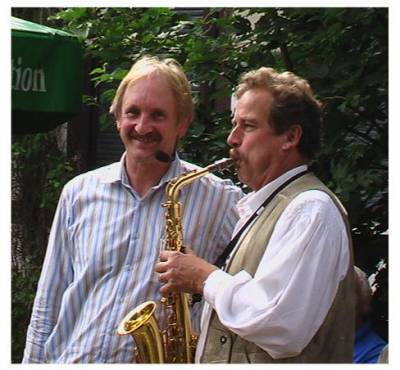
223, 339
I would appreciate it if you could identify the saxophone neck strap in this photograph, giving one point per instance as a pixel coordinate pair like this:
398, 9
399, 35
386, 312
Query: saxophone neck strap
228, 249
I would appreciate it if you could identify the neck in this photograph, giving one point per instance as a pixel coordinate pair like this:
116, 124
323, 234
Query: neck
279, 170
143, 175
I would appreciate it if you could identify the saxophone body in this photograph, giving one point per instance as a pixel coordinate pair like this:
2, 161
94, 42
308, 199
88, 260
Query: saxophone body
176, 343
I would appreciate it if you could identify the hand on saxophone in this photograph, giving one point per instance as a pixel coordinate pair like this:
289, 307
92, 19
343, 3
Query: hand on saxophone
182, 272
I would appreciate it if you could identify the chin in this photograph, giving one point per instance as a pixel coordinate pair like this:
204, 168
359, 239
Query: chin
239, 173
141, 156
246, 180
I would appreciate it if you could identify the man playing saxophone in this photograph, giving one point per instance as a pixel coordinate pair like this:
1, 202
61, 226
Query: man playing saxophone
105, 238
286, 291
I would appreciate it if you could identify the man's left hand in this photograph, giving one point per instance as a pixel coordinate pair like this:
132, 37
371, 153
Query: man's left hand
182, 272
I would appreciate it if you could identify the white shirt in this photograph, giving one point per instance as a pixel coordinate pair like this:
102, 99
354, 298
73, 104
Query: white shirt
283, 306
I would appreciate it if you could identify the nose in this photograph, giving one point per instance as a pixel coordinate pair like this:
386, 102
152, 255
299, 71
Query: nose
142, 125
233, 139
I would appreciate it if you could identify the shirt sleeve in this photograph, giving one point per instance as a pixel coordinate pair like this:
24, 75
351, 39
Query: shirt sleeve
283, 306
56, 275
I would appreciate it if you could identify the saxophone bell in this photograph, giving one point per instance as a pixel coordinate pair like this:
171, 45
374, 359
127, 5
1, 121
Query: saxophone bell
142, 325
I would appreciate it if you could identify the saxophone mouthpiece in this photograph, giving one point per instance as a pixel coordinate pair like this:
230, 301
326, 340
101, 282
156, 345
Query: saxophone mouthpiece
220, 165
164, 157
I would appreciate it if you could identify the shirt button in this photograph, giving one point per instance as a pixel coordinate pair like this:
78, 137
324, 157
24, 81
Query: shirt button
223, 339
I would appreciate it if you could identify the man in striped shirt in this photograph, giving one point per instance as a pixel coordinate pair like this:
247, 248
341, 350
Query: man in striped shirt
109, 223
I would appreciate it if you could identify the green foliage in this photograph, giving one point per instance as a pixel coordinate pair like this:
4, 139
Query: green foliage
39, 163
347, 66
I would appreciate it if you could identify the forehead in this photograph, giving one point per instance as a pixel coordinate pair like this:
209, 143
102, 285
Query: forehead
149, 90
254, 103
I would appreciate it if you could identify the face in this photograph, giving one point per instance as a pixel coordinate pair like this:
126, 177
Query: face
256, 149
149, 119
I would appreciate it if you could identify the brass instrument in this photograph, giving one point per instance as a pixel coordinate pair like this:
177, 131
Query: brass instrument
176, 343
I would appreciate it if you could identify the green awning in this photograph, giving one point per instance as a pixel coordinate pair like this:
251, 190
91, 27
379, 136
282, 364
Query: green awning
46, 77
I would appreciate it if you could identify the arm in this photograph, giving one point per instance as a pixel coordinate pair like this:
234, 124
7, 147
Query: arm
282, 307
55, 277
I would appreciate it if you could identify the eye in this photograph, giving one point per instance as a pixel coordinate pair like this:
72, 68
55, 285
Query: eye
248, 126
158, 115
132, 113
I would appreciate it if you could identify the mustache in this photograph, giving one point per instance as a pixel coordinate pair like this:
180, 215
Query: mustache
147, 138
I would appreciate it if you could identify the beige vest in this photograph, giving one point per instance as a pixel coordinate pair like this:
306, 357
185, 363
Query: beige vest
333, 342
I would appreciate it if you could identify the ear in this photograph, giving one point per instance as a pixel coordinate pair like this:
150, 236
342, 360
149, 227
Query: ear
118, 125
292, 137
183, 127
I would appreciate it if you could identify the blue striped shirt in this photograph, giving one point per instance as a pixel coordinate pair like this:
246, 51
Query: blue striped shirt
99, 264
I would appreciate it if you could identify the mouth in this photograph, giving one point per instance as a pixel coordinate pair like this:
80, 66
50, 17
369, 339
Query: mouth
235, 157
149, 138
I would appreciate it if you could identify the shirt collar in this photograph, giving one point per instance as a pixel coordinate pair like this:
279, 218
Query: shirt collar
175, 169
116, 172
113, 172
252, 201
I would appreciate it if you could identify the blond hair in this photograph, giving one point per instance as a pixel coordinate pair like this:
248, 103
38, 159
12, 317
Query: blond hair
168, 68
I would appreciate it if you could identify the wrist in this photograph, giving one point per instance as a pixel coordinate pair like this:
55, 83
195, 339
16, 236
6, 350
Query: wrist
209, 271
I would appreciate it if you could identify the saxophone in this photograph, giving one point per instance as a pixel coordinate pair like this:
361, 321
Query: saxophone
176, 343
